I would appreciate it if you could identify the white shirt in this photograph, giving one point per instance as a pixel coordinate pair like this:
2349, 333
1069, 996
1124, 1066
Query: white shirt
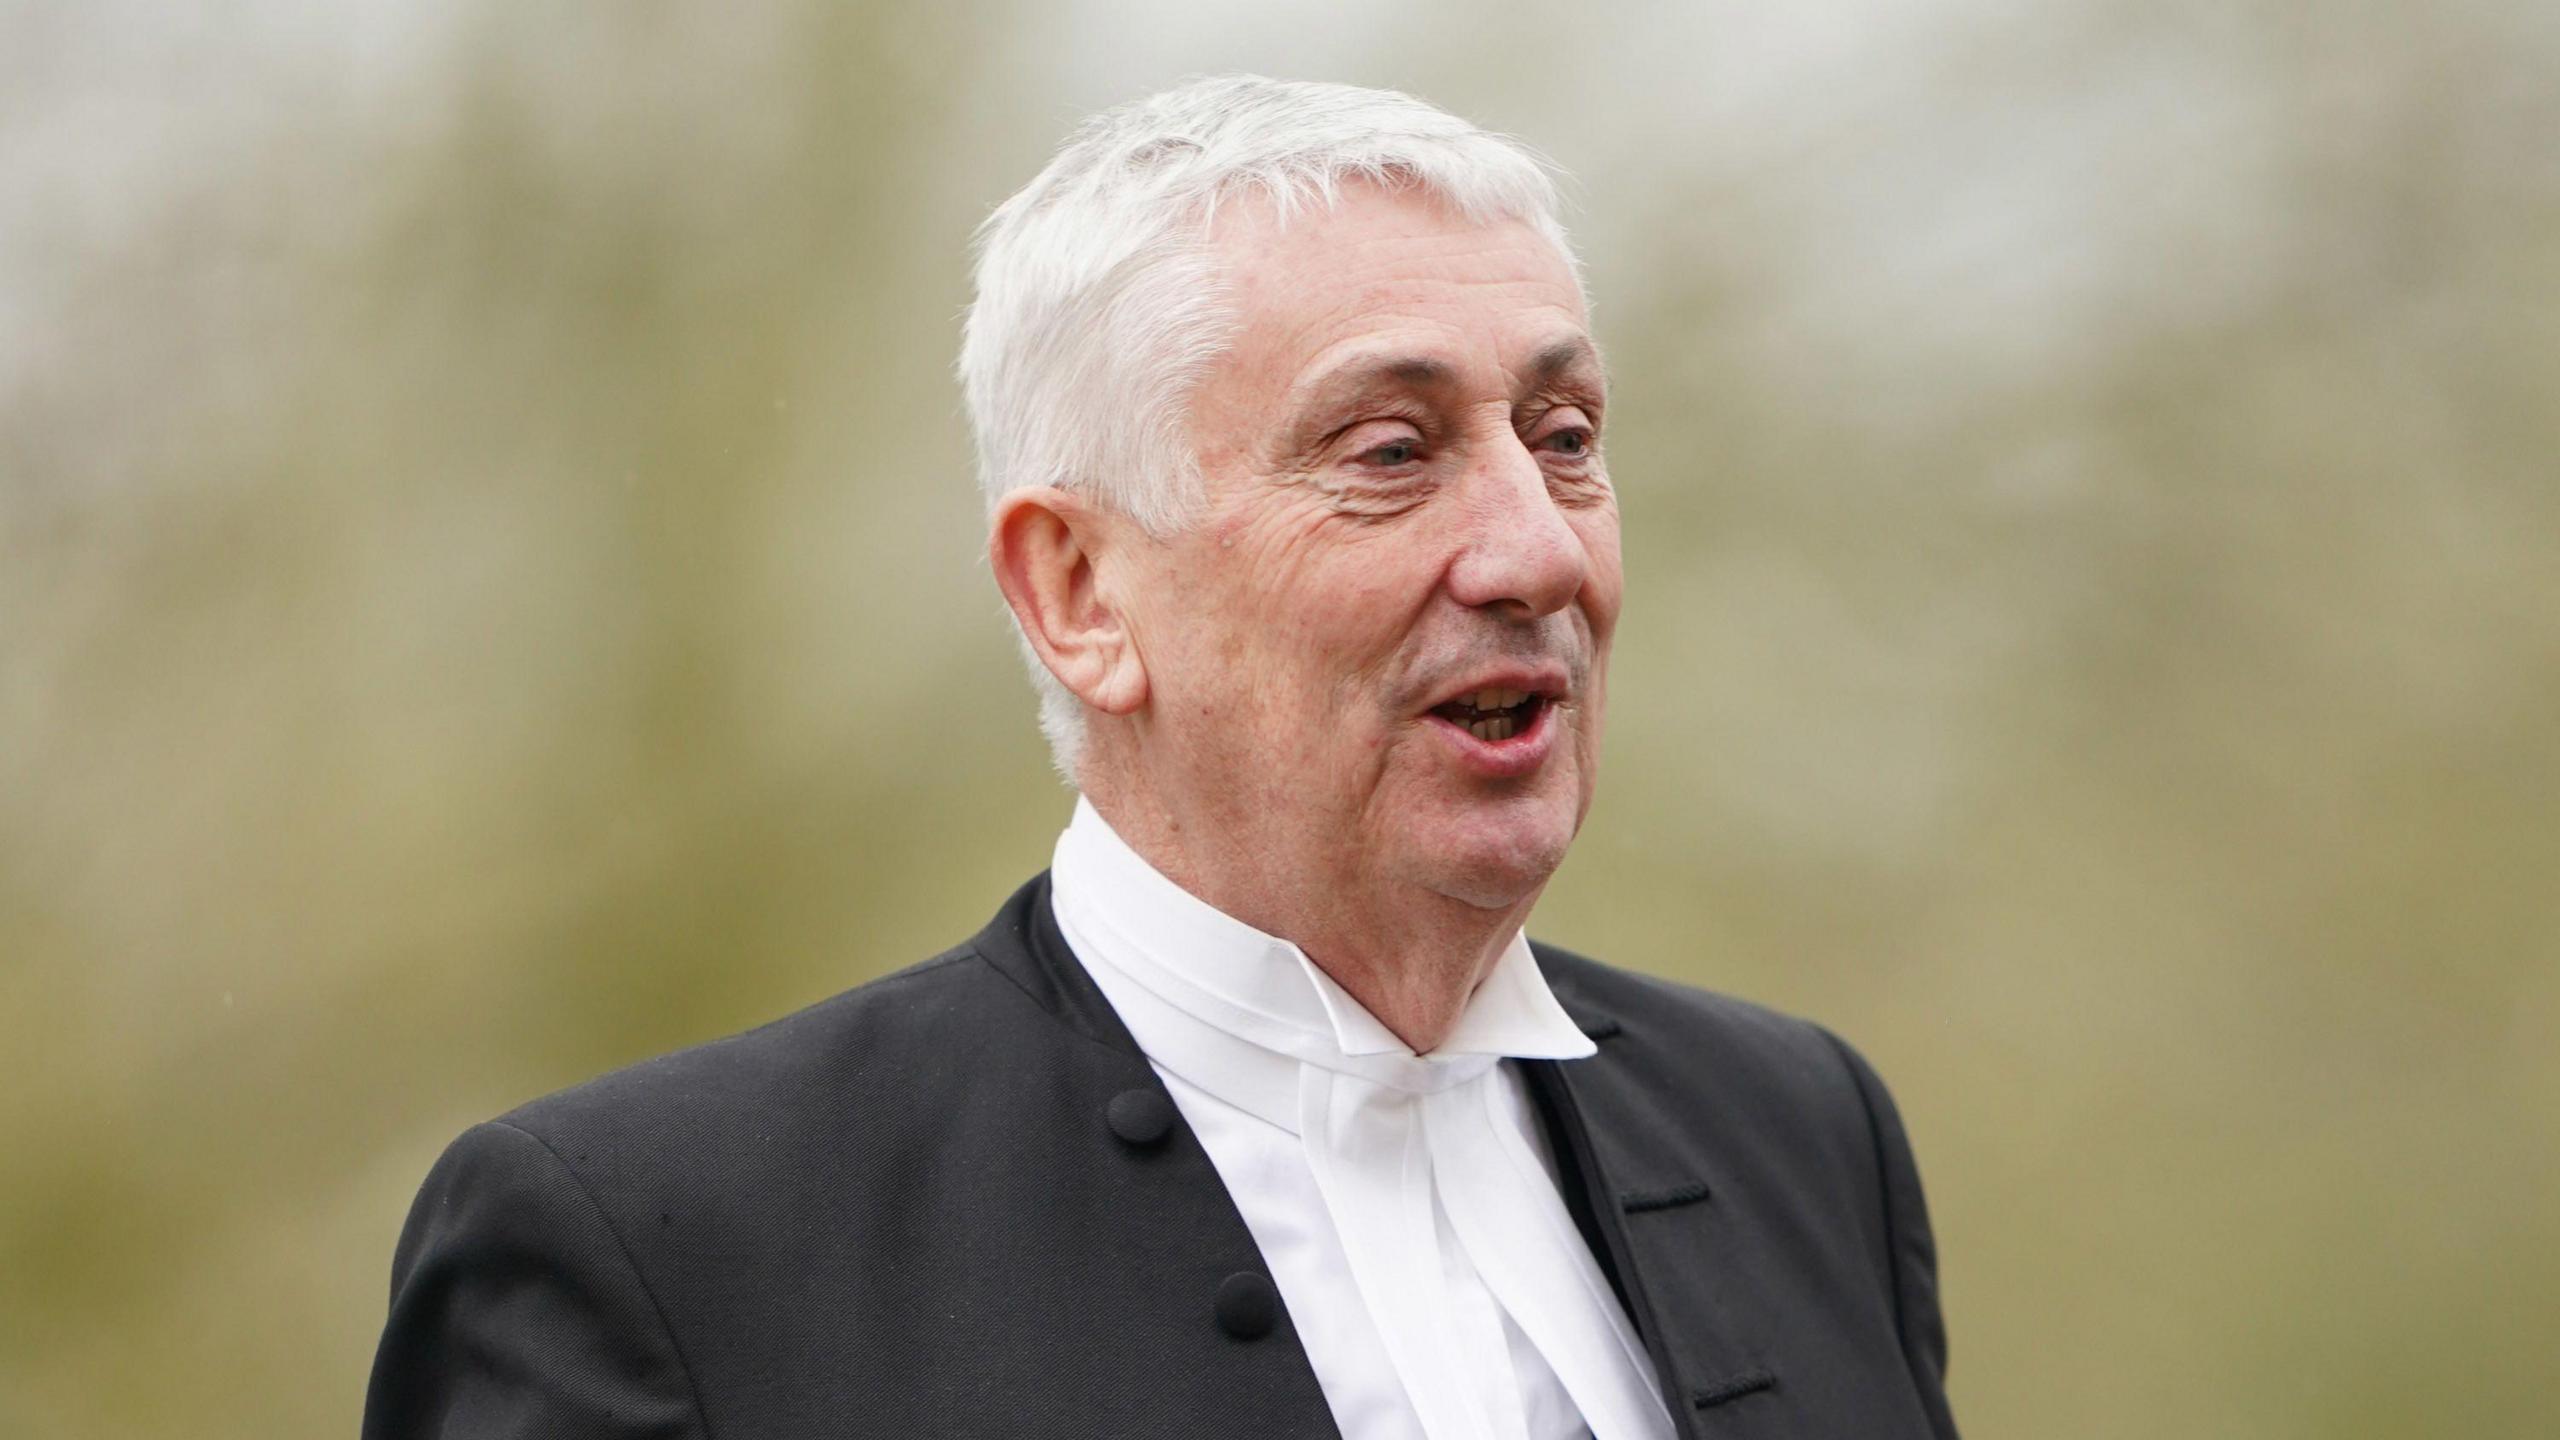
1405, 1203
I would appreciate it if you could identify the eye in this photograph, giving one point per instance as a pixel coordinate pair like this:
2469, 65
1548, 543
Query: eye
1386, 443
1575, 439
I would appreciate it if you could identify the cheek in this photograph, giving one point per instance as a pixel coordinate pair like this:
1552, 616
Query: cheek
1373, 607
1331, 644
1331, 611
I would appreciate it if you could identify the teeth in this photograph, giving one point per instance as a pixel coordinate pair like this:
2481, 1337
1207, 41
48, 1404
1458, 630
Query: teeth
1497, 699
1498, 727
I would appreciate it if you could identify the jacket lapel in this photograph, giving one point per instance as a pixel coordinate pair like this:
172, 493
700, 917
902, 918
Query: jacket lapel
1645, 1166
1212, 1268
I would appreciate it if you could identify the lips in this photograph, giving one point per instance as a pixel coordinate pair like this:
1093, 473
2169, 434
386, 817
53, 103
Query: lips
1501, 724
1494, 713
1516, 691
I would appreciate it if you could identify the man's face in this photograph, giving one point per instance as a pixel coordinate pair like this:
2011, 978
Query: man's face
1406, 512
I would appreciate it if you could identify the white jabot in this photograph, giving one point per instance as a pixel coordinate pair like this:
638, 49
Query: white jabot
1405, 1203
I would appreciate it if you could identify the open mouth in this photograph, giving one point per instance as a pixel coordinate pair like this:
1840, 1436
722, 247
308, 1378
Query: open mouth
1493, 715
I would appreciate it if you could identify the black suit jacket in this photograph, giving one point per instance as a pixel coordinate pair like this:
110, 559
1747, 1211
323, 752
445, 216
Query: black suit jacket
909, 1211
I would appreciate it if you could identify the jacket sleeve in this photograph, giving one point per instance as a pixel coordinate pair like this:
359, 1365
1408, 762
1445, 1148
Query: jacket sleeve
1914, 1252
516, 1312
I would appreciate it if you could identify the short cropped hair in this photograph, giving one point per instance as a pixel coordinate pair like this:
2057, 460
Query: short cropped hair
1099, 305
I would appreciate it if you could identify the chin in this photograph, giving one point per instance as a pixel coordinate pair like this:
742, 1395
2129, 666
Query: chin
1494, 862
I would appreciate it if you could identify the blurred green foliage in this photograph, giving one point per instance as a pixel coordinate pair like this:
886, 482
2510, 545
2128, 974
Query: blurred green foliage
489, 591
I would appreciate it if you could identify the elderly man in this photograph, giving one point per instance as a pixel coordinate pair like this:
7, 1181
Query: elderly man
1256, 1115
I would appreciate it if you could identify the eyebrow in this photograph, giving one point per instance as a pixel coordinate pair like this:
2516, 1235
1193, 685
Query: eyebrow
1359, 378
1558, 357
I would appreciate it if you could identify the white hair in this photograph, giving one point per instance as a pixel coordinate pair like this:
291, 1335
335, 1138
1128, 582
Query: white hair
1099, 304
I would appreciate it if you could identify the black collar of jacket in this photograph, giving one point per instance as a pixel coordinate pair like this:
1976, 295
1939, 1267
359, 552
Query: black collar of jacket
1664, 1281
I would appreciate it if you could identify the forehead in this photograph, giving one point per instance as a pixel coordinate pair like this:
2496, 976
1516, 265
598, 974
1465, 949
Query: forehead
1387, 270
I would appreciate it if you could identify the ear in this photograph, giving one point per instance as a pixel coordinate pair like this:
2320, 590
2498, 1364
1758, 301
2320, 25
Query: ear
1049, 550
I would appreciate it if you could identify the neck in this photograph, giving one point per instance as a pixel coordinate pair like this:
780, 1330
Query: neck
1419, 987
1410, 956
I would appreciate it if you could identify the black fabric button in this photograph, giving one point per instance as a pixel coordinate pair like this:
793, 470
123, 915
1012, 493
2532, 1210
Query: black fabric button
1248, 1307
1141, 1117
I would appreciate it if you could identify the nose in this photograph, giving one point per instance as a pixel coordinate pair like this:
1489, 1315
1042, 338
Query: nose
1520, 554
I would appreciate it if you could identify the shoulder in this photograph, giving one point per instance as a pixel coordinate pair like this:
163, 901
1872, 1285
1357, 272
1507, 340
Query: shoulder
1781, 1093
735, 1143
846, 1032
954, 1052
965, 1053
859, 1060
596, 1225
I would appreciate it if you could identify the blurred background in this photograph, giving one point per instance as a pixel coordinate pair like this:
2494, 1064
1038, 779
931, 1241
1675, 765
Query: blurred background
489, 590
